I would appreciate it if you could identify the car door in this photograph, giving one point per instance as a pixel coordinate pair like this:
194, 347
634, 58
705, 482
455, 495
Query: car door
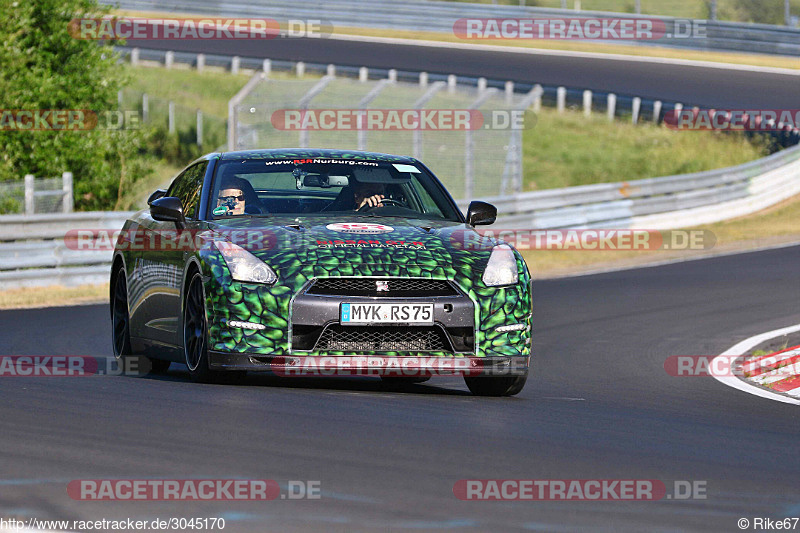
161, 266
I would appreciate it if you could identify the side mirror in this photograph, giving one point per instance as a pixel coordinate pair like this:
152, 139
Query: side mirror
158, 193
168, 209
481, 214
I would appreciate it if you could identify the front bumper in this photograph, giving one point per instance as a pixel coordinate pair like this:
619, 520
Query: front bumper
371, 365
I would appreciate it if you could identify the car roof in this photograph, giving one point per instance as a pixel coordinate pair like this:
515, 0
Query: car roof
314, 153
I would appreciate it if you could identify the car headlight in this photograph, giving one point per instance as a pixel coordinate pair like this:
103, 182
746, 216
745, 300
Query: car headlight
244, 266
502, 267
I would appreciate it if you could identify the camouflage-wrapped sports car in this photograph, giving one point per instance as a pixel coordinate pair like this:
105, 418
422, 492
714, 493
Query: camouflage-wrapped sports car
267, 260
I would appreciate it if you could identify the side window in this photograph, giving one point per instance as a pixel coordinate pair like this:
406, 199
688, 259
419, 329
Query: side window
187, 186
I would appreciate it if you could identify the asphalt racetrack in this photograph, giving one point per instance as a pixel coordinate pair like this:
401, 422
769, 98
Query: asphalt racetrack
599, 405
690, 85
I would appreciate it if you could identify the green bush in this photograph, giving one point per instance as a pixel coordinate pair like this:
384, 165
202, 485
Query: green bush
42, 66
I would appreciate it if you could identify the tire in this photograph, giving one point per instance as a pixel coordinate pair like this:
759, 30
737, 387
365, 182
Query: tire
195, 337
496, 386
121, 333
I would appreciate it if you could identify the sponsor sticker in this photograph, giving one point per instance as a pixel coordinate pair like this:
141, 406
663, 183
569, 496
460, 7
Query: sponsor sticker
359, 227
407, 168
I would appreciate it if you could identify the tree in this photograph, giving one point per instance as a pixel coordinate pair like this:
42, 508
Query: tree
43, 67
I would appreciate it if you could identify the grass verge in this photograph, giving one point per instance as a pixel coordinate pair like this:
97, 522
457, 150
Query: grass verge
53, 296
564, 150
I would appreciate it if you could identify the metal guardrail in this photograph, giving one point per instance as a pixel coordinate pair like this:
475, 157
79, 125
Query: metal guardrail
439, 16
33, 253
658, 203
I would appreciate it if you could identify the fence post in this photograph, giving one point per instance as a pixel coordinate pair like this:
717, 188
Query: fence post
392, 75
199, 128
469, 171
145, 108
266, 67
135, 57
587, 103
201, 62
451, 83
301, 69
331, 71
119, 99
657, 111
509, 91
481, 84
235, 65
169, 59
637, 107
423, 79
66, 185
171, 116
363, 74
612, 106
561, 99
537, 100
29, 184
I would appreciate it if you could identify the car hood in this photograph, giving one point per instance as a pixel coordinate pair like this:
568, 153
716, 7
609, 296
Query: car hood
355, 245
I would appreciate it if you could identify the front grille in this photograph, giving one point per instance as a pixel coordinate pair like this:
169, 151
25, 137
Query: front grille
397, 288
383, 339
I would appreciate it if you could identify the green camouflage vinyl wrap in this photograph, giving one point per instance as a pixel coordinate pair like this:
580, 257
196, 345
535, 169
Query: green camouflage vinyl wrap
433, 250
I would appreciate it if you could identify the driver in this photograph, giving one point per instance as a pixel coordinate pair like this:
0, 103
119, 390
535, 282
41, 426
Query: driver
370, 194
231, 195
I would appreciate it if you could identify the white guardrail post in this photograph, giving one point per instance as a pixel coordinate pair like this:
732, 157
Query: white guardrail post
29, 192
66, 187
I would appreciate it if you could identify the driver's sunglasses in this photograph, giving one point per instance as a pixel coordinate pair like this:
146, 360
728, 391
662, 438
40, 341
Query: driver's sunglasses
239, 198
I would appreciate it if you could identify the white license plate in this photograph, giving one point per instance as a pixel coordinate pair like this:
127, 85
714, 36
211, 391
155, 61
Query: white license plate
383, 313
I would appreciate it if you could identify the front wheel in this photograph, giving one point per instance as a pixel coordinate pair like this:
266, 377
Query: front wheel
496, 386
195, 335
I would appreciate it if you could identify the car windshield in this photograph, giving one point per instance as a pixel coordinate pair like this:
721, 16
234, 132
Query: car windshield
289, 188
